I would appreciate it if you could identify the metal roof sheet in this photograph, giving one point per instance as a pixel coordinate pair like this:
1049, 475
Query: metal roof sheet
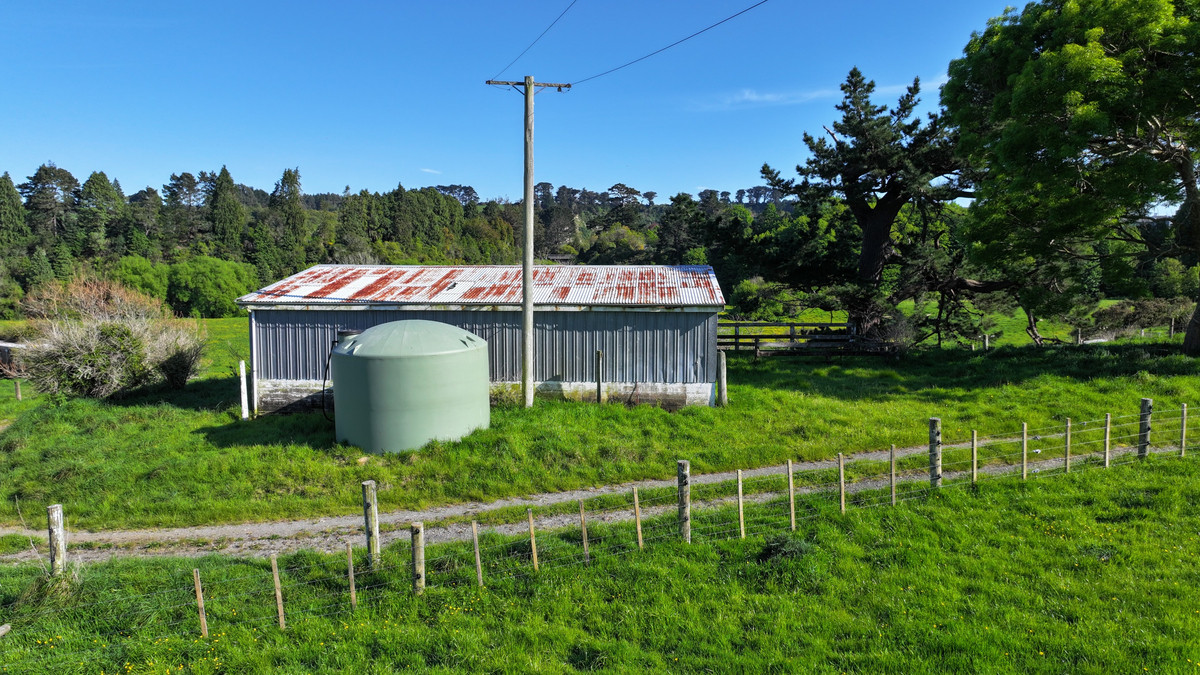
580, 285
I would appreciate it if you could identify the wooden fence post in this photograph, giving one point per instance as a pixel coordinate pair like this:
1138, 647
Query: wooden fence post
18, 385
1067, 448
599, 376
1107, 438
722, 381
1144, 427
58, 539
637, 518
683, 477
245, 402
1183, 431
1024, 451
278, 591
532, 540
986, 343
935, 452
350, 575
741, 511
200, 603
791, 496
371, 516
478, 560
842, 482
974, 457
418, 557
587, 557
892, 470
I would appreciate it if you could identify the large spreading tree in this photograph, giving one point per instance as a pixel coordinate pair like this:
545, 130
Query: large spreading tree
878, 162
1081, 116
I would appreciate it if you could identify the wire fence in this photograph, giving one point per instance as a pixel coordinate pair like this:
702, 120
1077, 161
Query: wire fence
241, 593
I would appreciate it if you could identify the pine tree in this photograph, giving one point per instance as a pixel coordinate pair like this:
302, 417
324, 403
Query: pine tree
51, 195
38, 270
100, 204
228, 217
287, 220
14, 231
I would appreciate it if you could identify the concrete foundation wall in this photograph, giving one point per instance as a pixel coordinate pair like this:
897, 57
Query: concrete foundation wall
283, 396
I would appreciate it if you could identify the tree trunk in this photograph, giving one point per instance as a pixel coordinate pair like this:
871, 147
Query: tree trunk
876, 225
1191, 339
1190, 229
1032, 330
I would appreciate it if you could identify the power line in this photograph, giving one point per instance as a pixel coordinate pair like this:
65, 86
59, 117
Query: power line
531, 44
677, 42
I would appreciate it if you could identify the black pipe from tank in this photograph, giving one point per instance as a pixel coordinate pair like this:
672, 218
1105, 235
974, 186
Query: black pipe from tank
342, 334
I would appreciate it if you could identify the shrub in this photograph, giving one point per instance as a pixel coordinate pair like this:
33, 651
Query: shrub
1126, 315
136, 272
758, 300
90, 359
176, 350
207, 287
98, 339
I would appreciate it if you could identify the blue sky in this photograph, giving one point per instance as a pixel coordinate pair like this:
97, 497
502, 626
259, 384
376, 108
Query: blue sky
372, 94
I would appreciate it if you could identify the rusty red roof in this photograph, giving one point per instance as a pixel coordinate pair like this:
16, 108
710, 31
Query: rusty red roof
580, 285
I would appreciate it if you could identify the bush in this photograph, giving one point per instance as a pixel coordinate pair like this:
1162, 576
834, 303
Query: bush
176, 350
98, 339
85, 359
1127, 315
136, 272
207, 287
758, 300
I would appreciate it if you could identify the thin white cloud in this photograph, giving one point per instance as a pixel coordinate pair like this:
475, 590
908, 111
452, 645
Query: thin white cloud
435, 171
752, 98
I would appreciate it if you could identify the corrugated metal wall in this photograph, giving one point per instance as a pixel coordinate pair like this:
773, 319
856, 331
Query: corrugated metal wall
668, 347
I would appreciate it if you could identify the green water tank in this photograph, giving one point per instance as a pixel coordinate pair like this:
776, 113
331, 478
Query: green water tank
399, 385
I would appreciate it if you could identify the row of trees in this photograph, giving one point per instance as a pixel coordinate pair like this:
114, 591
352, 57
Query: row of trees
204, 239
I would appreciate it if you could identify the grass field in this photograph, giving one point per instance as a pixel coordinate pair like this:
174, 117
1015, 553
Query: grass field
1093, 572
181, 458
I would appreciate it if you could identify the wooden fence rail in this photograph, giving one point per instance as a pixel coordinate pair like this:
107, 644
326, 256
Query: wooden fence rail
767, 338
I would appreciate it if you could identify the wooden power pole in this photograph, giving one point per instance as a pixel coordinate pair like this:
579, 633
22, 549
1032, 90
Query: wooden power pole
530, 88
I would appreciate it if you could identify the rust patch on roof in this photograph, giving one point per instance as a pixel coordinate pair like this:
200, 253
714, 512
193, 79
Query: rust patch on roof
633, 285
375, 288
338, 280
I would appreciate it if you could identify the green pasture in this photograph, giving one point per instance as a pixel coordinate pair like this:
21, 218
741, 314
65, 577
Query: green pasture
1092, 572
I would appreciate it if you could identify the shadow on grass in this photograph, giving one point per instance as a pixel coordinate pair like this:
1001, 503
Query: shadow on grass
939, 375
311, 429
202, 395
221, 393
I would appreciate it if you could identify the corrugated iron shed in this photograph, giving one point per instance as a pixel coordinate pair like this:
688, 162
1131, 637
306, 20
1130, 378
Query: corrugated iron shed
494, 285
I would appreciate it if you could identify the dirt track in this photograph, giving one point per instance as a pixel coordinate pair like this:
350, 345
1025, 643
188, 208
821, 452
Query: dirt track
330, 534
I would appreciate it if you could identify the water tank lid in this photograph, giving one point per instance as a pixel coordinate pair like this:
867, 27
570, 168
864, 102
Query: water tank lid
413, 337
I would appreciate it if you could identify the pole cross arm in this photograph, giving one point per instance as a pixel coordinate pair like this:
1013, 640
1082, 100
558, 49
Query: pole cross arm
557, 85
